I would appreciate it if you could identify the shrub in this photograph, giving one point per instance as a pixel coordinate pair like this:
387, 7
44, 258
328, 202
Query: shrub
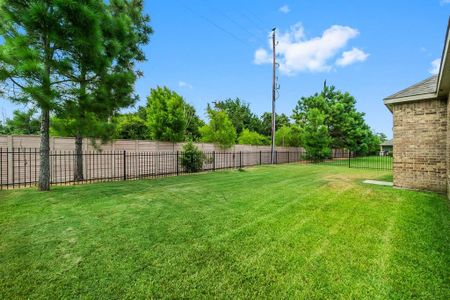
191, 158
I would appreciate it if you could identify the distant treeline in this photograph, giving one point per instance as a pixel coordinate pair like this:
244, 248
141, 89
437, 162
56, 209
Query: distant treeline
319, 123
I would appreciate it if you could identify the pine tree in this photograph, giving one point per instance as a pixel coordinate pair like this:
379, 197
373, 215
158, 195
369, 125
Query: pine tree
32, 58
107, 42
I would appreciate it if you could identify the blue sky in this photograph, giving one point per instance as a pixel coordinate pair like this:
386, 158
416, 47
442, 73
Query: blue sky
210, 50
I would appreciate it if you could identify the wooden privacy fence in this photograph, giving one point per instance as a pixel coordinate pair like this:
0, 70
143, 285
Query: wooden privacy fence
20, 167
68, 144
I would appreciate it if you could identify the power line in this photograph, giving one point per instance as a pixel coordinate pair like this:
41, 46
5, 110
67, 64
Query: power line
215, 24
238, 24
263, 24
252, 21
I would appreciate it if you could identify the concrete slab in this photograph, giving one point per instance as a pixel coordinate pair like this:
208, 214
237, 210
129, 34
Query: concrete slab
377, 182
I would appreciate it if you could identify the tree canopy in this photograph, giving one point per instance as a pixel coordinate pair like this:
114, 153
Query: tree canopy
240, 115
166, 118
22, 123
219, 130
266, 122
131, 126
248, 137
345, 125
288, 136
193, 123
314, 135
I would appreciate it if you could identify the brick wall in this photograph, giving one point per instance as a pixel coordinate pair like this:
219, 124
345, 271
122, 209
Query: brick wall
448, 146
420, 145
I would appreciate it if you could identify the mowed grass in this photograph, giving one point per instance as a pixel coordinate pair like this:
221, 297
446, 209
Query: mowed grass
364, 162
286, 231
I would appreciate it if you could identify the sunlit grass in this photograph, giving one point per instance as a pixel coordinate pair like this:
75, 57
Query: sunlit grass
363, 162
286, 231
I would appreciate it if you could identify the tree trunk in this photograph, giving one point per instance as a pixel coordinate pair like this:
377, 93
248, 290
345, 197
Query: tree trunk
78, 176
44, 171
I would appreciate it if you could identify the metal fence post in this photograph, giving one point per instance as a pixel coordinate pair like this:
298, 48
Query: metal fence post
260, 161
214, 160
124, 165
349, 157
178, 171
234, 160
240, 159
13, 167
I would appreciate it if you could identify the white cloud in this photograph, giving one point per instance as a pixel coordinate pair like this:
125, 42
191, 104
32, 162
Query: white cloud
184, 84
445, 2
435, 65
262, 57
296, 53
351, 57
284, 9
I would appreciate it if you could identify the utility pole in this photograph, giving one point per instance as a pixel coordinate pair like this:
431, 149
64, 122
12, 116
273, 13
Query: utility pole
272, 156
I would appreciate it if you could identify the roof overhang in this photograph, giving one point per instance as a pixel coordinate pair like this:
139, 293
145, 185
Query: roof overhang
390, 101
443, 87
442, 84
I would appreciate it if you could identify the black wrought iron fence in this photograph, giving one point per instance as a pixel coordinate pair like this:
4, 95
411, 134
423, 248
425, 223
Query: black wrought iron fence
19, 167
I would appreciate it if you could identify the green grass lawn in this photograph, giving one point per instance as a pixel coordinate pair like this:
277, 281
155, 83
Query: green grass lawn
286, 231
364, 162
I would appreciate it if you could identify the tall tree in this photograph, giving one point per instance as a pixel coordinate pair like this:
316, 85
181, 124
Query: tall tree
3, 129
295, 136
346, 126
288, 136
240, 115
193, 123
282, 136
32, 58
315, 137
106, 44
266, 121
131, 127
166, 117
220, 129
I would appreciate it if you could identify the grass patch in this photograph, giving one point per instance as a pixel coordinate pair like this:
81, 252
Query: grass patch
287, 231
363, 162
386, 177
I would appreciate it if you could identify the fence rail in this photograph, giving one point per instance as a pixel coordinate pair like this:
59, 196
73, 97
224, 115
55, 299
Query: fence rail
19, 167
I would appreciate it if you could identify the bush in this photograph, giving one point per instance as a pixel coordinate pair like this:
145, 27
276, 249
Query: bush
191, 158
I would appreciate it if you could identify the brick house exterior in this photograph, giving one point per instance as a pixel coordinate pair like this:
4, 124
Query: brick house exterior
422, 131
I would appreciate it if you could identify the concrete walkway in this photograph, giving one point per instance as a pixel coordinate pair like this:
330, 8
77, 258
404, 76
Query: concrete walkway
377, 182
